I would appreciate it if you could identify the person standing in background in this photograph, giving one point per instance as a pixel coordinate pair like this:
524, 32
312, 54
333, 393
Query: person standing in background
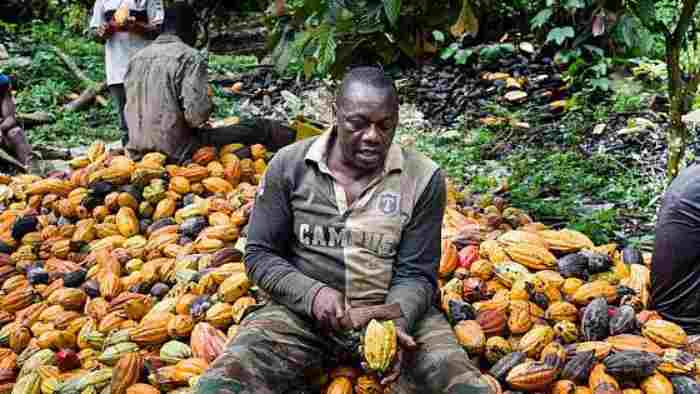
125, 26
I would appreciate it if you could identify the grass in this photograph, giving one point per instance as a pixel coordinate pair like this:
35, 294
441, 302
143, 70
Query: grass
44, 84
560, 186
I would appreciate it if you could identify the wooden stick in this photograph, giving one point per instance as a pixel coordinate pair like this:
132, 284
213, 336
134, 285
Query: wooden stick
85, 98
90, 94
77, 72
33, 119
102, 100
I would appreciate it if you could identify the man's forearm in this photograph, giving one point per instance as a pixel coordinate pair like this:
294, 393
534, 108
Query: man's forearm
415, 298
281, 280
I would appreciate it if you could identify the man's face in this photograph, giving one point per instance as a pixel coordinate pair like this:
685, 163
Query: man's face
366, 123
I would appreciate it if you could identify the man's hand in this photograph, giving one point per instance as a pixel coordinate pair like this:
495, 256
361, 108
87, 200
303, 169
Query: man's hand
134, 26
329, 308
405, 343
104, 31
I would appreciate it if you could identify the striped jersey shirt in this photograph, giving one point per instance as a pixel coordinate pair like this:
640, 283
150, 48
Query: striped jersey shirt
382, 248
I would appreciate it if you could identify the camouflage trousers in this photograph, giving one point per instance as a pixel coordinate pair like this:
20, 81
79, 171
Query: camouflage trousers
275, 349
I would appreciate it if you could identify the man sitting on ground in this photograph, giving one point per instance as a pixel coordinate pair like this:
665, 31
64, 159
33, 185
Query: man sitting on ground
348, 219
675, 266
13, 136
168, 101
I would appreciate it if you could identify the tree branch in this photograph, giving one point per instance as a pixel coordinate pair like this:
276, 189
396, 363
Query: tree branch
654, 25
72, 67
684, 21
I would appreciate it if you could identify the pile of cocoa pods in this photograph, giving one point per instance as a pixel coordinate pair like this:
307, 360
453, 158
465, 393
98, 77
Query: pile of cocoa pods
125, 276
544, 310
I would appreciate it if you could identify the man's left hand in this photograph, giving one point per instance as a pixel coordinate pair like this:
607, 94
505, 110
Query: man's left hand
406, 343
136, 27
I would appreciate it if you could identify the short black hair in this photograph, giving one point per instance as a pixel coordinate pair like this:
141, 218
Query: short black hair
178, 19
369, 76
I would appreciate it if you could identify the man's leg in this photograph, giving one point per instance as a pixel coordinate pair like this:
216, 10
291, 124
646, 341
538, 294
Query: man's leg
16, 140
271, 133
118, 94
440, 365
272, 351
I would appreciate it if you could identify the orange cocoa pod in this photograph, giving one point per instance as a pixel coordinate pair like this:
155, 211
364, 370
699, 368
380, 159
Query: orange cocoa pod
18, 299
110, 285
448, 258
207, 342
204, 155
141, 388
126, 373
180, 326
340, 385
599, 379
152, 331
68, 298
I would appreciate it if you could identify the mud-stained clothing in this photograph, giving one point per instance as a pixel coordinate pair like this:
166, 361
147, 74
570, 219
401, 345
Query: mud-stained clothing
382, 248
166, 96
277, 350
675, 267
122, 45
167, 102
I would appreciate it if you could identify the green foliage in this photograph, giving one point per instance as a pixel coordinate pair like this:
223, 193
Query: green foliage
559, 185
320, 36
559, 34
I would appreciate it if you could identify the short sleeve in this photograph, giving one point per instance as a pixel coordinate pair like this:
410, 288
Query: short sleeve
98, 15
155, 12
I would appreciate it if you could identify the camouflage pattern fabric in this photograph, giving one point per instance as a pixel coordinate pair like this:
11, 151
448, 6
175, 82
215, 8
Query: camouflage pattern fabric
277, 351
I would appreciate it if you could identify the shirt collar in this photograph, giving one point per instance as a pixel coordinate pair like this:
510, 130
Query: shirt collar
167, 38
317, 153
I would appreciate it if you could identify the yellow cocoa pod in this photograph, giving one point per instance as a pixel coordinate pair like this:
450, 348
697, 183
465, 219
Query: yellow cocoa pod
234, 287
531, 256
379, 345
217, 185
471, 336
590, 291
566, 241
165, 208
657, 384
239, 308
665, 333
180, 185
128, 200
535, 340
127, 223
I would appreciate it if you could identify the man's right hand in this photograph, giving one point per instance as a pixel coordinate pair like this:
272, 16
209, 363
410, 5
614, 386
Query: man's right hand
104, 31
329, 308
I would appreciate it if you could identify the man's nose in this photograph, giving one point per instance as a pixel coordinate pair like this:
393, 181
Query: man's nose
372, 135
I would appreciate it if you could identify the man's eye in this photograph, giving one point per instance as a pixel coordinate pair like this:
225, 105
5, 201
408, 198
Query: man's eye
357, 124
387, 125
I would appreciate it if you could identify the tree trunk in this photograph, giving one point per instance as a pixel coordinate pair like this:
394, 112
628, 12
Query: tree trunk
677, 137
677, 90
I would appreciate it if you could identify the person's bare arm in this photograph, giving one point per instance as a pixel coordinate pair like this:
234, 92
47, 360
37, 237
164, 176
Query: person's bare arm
7, 113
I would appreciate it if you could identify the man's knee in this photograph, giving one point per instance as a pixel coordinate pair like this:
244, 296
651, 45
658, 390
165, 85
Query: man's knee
235, 371
16, 132
449, 371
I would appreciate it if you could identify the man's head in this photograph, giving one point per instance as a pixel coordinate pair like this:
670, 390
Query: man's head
367, 113
179, 20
